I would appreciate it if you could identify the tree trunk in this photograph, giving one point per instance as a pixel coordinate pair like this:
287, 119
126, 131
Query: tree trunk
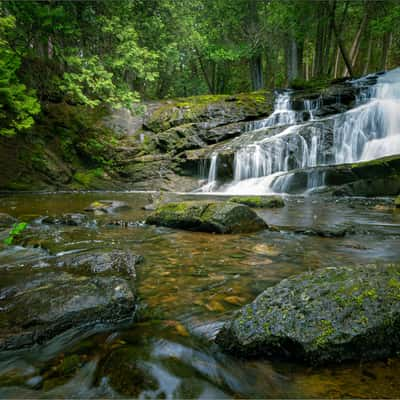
368, 58
340, 43
256, 72
356, 43
204, 71
387, 41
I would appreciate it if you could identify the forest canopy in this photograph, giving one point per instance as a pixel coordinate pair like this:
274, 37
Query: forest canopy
118, 52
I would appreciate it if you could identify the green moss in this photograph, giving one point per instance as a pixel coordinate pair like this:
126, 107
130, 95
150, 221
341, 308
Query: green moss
259, 201
397, 202
86, 178
327, 329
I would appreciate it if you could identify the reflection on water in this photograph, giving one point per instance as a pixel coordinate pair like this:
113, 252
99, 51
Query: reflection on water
188, 285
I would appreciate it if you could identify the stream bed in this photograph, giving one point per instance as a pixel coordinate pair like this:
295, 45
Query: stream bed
188, 284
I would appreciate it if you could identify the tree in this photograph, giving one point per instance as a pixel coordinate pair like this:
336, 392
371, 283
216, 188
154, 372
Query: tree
17, 104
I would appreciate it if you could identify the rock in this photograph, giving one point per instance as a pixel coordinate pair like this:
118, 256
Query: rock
117, 261
322, 231
126, 373
150, 207
107, 206
379, 177
207, 216
329, 315
259, 201
41, 306
211, 110
6, 220
66, 219
397, 202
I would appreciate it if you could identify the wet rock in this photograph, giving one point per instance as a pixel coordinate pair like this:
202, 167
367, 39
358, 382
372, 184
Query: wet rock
126, 374
379, 177
259, 201
6, 220
333, 231
207, 216
329, 315
45, 304
107, 206
117, 261
66, 219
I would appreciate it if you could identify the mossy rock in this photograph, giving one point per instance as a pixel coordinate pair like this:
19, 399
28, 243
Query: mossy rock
221, 109
259, 201
218, 217
397, 202
329, 315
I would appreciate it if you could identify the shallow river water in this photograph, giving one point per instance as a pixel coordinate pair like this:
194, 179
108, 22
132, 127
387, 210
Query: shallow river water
188, 284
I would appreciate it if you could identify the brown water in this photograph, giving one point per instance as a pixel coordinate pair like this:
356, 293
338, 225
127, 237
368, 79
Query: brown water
188, 285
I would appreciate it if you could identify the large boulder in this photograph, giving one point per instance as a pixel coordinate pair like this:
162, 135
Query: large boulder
329, 315
207, 216
41, 306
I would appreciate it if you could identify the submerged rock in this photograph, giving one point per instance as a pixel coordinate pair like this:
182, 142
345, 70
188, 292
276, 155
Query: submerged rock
117, 261
6, 220
107, 206
333, 231
207, 216
66, 219
46, 304
329, 315
259, 201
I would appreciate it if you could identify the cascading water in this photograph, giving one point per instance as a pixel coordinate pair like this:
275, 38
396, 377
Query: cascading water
370, 130
212, 174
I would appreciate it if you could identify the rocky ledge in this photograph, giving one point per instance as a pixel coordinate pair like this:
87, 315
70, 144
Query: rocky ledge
207, 216
329, 315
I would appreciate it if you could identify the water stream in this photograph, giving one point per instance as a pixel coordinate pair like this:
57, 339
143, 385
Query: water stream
188, 285
370, 130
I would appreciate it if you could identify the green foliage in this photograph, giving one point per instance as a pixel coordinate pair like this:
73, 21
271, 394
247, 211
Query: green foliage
17, 104
16, 230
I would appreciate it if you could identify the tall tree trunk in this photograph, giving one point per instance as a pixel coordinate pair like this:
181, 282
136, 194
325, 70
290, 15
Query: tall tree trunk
256, 72
204, 71
337, 60
356, 43
368, 57
255, 62
387, 41
319, 42
340, 43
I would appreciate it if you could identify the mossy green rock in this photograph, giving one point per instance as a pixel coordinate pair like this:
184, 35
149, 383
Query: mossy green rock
397, 202
329, 315
259, 201
219, 217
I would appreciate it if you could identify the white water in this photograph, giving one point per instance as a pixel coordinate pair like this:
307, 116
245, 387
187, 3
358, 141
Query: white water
369, 131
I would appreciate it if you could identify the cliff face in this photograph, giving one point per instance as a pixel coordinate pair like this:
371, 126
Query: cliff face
74, 147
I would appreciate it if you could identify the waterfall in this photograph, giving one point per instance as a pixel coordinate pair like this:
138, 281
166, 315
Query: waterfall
212, 174
368, 131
